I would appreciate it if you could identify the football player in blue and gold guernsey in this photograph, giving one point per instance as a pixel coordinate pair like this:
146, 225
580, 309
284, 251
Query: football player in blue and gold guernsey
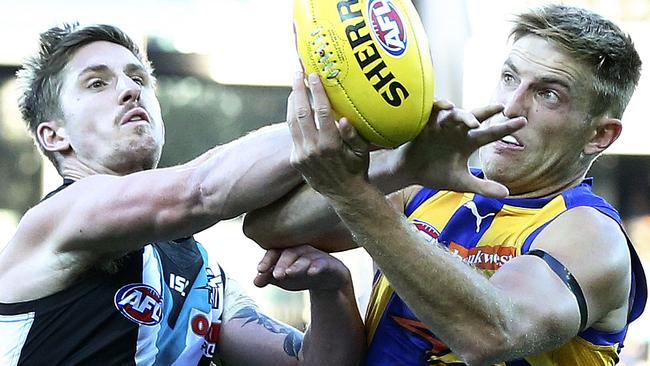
533, 268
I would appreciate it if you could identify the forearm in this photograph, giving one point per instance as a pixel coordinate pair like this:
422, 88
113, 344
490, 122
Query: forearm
451, 298
302, 216
305, 216
336, 334
247, 173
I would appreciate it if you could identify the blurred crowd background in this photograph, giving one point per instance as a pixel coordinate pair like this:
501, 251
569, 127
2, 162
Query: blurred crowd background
224, 68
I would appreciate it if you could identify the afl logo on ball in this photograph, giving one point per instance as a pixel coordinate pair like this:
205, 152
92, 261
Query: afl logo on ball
139, 303
387, 27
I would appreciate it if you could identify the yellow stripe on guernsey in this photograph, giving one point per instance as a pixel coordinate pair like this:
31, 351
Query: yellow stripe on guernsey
486, 233
380, 296
499, 238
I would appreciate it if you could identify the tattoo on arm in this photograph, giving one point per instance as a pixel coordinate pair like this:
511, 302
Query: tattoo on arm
293, 340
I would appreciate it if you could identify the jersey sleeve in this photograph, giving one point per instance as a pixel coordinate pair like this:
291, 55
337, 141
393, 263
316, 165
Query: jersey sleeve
235, 299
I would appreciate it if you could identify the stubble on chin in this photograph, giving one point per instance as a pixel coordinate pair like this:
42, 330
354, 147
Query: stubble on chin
139, 154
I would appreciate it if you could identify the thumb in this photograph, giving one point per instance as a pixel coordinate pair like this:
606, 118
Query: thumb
351, 137
269, 260
486, 187
443, 104
263, 278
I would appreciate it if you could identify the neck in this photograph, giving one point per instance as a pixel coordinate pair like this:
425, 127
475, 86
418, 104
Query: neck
77, 170
550, 190
73, 167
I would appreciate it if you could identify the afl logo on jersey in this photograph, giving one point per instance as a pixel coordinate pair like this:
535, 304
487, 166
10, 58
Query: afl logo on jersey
139, 303
427, 231
387, 27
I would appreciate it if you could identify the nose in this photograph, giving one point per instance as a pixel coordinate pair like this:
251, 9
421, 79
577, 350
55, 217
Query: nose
129, 91
516, 102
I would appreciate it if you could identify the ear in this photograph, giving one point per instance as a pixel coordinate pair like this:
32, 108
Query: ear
52, 137
607, 131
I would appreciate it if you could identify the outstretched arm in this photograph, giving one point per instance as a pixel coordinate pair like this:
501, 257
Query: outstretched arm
305, 216
109, 214
102, 217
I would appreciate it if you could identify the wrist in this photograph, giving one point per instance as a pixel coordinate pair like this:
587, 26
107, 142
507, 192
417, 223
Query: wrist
345, 290
389, 171
339, 279
401, 172
344, 189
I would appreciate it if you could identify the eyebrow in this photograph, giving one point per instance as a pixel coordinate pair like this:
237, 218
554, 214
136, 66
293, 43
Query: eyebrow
93, 68
543, 79
129, 68
135, 67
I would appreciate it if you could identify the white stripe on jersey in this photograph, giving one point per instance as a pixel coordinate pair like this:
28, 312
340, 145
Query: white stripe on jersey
146, 349
13, 333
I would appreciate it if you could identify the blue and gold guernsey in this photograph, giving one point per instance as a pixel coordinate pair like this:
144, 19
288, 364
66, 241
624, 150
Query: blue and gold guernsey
487, 232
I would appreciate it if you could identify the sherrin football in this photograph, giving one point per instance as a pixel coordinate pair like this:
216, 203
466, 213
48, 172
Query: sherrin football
373, 59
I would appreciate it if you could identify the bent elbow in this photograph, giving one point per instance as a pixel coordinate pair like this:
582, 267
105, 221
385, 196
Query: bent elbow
254, 231
488, 350
475, 359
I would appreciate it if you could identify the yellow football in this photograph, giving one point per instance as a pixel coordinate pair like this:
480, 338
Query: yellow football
374, 60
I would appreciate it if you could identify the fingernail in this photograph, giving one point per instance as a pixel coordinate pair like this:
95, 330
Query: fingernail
313, 78
298, 80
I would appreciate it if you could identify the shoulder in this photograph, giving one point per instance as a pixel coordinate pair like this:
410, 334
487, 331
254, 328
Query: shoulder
589, 226
411, 197
583, 232
62, 199
594, 248
42, 219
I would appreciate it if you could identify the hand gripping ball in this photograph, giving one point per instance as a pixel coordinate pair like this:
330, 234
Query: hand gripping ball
373, 59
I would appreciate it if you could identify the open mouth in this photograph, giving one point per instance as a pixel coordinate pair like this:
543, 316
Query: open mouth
511, 140
135, 115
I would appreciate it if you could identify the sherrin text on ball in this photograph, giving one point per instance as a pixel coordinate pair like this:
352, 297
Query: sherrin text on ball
373, 59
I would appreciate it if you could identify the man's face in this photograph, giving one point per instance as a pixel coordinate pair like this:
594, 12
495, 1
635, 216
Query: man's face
544, 84
111, 114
